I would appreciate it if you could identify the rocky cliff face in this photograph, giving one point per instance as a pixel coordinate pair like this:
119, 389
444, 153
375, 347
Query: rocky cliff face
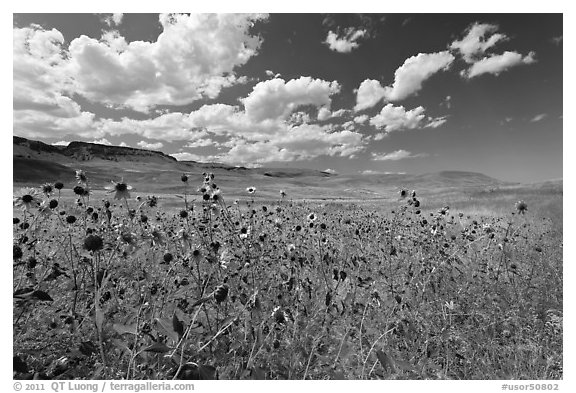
84, 151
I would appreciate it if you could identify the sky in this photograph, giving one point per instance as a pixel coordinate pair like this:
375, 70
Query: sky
346, 93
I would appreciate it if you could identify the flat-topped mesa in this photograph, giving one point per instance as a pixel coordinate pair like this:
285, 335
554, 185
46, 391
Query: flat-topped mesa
86, 151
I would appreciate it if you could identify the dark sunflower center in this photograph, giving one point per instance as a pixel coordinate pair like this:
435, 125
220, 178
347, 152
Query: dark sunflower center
27, 198
121, 187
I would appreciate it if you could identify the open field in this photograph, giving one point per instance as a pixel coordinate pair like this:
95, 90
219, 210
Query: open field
453, 283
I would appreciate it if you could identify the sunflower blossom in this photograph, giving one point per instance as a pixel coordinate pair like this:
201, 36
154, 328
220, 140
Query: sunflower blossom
120, 189
27, 198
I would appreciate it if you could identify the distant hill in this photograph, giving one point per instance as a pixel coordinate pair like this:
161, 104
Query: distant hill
155, 172
85, 151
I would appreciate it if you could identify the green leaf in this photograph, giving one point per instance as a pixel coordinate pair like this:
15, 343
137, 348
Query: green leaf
258, 374
99, 318
201, 301
167, 329
123, 329
121, 344
386, 361
177, 326
404, 366
157, 347
192, 371
207, 372
41, 295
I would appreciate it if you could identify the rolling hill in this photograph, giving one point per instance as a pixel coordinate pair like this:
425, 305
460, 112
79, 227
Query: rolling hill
155, 172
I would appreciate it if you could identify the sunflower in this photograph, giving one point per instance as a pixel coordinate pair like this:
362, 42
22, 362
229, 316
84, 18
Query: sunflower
312, 217
157, 237
121, 190
282, 193
45, 208
27, 198
521, 207
47, 188
81, 176
251, 190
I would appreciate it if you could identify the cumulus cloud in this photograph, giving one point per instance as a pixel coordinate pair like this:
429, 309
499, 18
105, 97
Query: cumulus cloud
102, 141
409, 77
182, 65
203, 142
395, 155
361, 119
479, 38
150, 146
497, 64
330, 170
276, 98
114, 19
325, 114
394, 118
272, 74
169, 127
187, 156
345, 43
474, 48
194, 57
369, 94
61, 143
40, 87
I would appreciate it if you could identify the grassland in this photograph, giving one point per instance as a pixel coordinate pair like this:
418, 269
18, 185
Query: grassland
451, 283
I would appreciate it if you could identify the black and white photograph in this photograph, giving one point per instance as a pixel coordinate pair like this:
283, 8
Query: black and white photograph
287, 196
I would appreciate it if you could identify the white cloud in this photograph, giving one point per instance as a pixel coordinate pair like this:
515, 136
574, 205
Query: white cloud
473, 48
150, 146
361, 119
478, 40
330, 170
169, 127
276, 98
41, 106
114, 19
325, 114
272, 74
102, 141
557, 40
395, 156
299, 117
394, 118
498, 63
61, 143
185, 156
347, 42
193, 57
369, 94
436, 122
202, 143
373, 172
538, 117
409, 77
